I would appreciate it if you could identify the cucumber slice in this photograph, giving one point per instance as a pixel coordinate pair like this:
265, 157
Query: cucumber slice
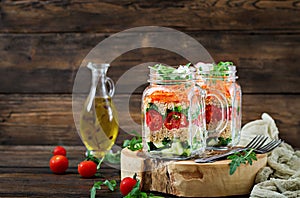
177, 148
158, 144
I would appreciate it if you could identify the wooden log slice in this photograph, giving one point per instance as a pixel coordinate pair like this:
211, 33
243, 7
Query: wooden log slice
190, 179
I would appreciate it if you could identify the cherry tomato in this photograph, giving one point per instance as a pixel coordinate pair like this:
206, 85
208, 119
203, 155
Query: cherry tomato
59, 150
87, 169
154, 120
59, 164
213, 113
127, 185
175, 120
208, 114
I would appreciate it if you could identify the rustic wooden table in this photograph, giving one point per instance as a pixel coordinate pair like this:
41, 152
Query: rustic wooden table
24, 172
42, 44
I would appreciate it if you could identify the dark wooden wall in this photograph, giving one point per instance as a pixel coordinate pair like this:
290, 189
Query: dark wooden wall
42, 44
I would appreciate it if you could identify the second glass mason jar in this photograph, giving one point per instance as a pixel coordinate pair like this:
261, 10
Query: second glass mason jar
172, 115
223, 103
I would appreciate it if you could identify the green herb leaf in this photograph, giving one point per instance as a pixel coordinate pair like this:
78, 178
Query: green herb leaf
223, 141
97, 186
137, 193
134, 144
162, 69
97, 161
179, 109
187, 65
151, 146
166, 141
110, 184
221, 68
99, 164
241, 158
135, 190
90, 157
167, 72
93, 193
152, 106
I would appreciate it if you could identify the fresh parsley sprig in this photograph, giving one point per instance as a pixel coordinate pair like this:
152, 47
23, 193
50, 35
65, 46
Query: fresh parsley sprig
239, 158
97, 186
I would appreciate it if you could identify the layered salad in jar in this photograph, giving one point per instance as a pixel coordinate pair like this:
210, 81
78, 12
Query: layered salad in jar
172, 114
222, 103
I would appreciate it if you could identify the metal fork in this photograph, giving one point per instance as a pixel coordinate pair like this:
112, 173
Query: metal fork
268, 147
256, 144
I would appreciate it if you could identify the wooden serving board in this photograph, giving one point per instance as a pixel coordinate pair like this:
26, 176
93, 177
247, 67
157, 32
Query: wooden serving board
190, 179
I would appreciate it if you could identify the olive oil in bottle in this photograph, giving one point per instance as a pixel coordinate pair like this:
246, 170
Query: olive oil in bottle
99, 129
99, 121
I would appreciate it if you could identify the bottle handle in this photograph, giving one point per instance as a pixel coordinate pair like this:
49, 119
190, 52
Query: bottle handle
111, 86
224, 109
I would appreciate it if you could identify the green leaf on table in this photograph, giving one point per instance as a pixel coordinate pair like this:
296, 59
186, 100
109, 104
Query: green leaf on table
97, 186
137, 193
110, 184
239, 158
90, 157
113, 158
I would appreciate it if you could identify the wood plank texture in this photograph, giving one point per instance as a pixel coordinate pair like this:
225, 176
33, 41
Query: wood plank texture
34, 179
48, 119
107, 15
30, 172
42, 44
27, 174
47, 63
34, 155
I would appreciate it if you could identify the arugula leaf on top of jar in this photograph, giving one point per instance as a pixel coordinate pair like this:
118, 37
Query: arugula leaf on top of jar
172, 114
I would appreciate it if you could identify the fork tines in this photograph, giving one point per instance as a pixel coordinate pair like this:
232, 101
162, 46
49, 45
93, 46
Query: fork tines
257, 142
271, 145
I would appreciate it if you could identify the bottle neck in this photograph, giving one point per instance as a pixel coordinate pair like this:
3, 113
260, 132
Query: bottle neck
98, 86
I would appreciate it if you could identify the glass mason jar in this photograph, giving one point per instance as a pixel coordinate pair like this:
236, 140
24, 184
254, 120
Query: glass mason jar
173, 117
223, 104
99, 119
